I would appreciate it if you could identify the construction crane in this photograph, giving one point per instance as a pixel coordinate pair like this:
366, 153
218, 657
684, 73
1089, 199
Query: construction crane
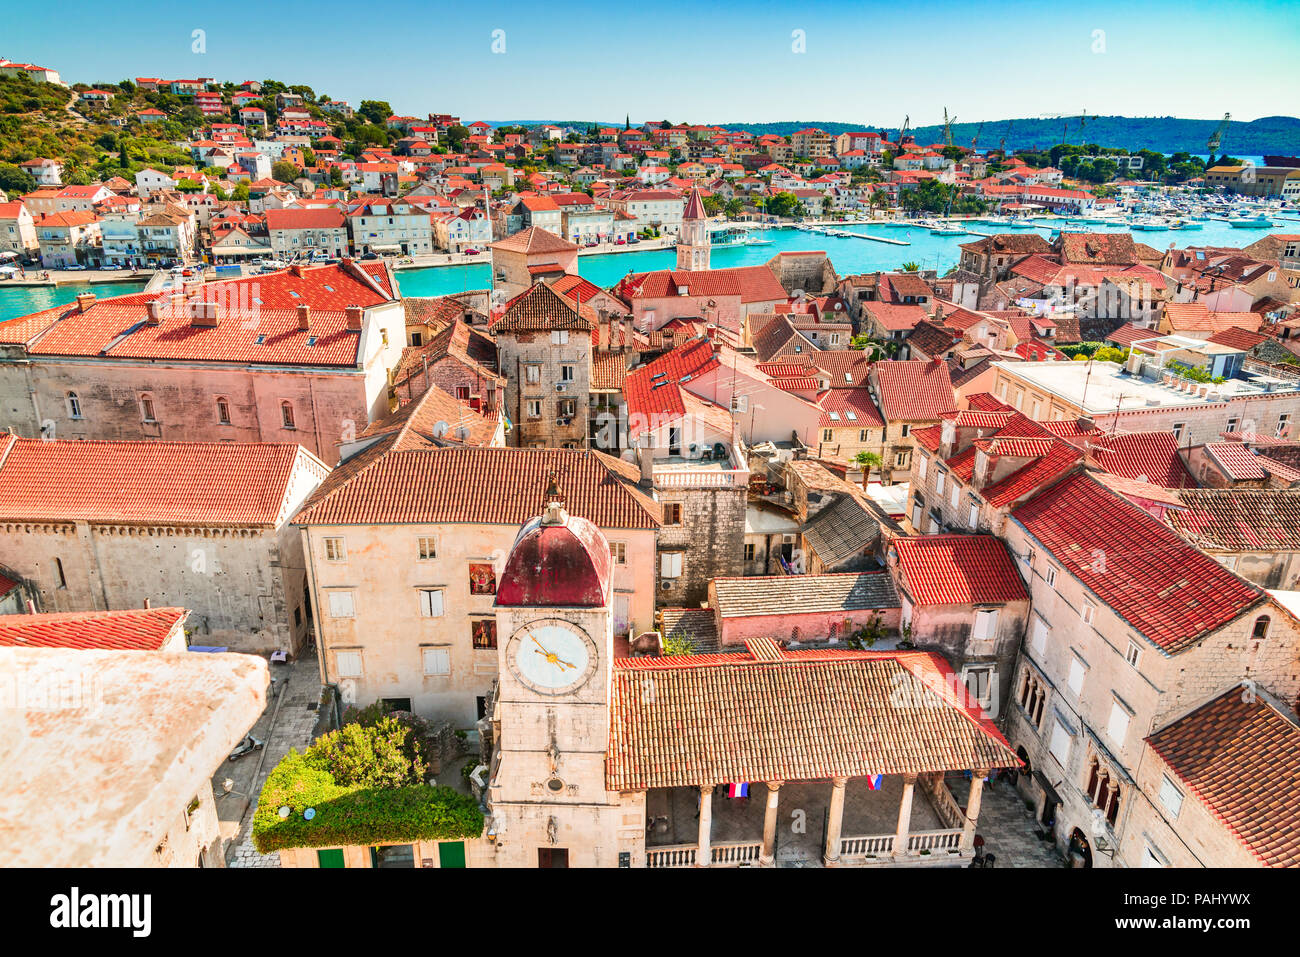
1216, 139
947, 127
1065, 124
1083, 119
902, 131
1002, 143
974, 140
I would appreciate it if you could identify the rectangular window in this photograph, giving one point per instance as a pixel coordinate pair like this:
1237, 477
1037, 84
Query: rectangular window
1179, 428
532, 373
939, 478
483, 633
1051, 576
921, 466
1232, 424
1283, 425
1117, 726
1059, 747
336, 550
1038, 637
1086, 611
560, 337
906, 430
566, 373
146, 408
618, 552
1152, 857
826, 435
1133, 654
533, 408
979, 682
341, 604
673, 513
749, 551
986, 624
348, 664
739, 403
430, 603
1170, 796
437, 661
1077, 672
670, 565
427, 547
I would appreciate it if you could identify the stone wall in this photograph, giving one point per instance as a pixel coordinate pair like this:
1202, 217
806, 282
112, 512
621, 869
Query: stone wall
712, 534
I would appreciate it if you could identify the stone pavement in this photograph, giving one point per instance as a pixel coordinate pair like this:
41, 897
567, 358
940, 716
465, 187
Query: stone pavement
1008, 828
292, 726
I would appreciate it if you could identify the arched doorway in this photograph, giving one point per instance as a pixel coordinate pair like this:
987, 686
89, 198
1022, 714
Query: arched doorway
1080, 850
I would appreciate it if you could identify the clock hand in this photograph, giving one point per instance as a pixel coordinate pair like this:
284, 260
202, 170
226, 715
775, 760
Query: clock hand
554, 659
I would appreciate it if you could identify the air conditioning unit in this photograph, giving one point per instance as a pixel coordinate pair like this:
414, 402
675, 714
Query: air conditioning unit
666, 584
559, 387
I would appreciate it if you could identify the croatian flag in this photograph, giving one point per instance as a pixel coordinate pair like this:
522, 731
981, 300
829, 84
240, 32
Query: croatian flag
873, 781
740, 790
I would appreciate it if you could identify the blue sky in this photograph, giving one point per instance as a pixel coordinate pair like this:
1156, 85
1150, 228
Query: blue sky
862, 62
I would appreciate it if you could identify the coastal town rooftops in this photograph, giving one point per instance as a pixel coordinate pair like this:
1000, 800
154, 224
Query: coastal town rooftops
763, 715
1168, 591
539, 308
390, 484
254, 320
913, 390
958, 570
145, 629
1259, 801
750, 283
1239, 519
148, 483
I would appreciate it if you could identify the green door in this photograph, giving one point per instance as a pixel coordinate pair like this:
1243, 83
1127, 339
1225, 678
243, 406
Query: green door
330, 857
451, 854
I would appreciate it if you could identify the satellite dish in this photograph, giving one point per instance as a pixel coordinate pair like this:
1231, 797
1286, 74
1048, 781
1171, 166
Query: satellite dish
308, 814
439, 429
285, 811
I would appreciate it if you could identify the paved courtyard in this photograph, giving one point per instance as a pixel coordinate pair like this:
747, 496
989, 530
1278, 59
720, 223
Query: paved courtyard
291, 726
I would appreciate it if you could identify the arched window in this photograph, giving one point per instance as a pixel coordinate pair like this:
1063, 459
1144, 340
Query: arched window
74, 406
146, 407
1261, 627
223, 410
286, 414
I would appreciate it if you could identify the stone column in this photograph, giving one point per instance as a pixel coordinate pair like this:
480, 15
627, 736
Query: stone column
904, 815
973, 808
835, 822
768, 856
704, 849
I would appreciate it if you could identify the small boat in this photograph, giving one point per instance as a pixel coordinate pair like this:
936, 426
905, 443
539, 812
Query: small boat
1250, 222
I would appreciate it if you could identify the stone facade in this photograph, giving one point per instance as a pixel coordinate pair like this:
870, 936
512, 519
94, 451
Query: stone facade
548, 391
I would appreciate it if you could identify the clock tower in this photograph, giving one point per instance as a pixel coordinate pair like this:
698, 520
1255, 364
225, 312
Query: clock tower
693, 240
547, 796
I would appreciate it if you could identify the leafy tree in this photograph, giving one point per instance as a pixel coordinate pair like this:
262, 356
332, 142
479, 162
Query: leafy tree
911, 267
284, 171
15, 180
784, 204
733, 208
712, 205
383, 754
456, 137
376, 111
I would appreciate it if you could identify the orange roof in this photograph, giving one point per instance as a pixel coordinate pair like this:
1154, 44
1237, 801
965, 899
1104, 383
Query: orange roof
764, 715
958, 570
137, 630
141, 482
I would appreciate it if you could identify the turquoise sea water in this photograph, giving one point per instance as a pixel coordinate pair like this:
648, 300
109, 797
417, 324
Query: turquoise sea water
848, 256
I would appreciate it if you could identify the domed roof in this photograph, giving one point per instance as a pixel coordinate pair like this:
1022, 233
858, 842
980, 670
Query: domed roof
558, 560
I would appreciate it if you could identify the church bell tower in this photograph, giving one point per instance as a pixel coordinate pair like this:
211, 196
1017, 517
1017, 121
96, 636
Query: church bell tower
693, 240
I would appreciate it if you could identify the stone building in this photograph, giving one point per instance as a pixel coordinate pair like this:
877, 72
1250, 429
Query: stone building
544, 348
406, 544
530, 255
202, 525
299, 356
693, 238
1130, 628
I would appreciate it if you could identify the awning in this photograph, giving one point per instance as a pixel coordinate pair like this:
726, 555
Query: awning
385, 249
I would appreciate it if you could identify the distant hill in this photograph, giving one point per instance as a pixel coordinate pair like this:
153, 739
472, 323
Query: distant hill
1166, 134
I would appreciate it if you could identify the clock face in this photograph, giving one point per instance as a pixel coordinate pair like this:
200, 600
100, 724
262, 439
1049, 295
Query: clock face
551, 656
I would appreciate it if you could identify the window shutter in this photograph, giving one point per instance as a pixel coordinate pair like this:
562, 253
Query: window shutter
1060, 746
1039, 638
348, 663
1075, 680
437, 661
341, 604
1117, 727
1170, 796
985, 624
431, 603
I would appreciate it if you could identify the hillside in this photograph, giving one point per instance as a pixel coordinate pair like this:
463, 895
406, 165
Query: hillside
1166, 134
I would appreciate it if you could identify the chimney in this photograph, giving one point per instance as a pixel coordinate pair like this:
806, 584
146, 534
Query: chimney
203, 314
304, 316
146, 604
647, 460
296, 270
353, 314
31, 607
154, 311
85, 300
346, 262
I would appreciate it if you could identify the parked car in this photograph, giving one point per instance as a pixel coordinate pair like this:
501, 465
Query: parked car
620, 242
110, 267
471, 252
75, 267
368, 256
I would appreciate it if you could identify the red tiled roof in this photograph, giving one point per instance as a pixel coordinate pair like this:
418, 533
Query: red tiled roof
894, 317
1238, 461
1169, 591
750, 283
387, 485
958, 570
141, 482
534, 239
1240, 757
1235, 337
851, 408
652, 391
1241, 519
144, 629
767, 714
1059, 459
318, 218
1146, 456
539, 308
913, 390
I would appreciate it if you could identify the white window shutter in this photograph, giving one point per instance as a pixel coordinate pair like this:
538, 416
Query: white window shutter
1117, 727
348, 663
341, 604
1060, 744
431, 604
1075, 679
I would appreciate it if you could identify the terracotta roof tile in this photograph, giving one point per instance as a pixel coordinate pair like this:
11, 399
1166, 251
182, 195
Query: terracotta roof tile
760, 595
958, 570
913, 391
138, 630
1242, 519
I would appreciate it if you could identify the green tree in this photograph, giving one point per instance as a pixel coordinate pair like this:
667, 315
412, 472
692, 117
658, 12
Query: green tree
15, 180
284, 171
376, 111
456, 137
784, 204
385, 754
733, 208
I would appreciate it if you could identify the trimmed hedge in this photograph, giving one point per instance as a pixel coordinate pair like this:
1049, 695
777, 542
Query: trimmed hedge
356, 816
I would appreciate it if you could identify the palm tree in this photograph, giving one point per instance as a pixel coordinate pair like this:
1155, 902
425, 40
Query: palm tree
911, 267
867, 461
